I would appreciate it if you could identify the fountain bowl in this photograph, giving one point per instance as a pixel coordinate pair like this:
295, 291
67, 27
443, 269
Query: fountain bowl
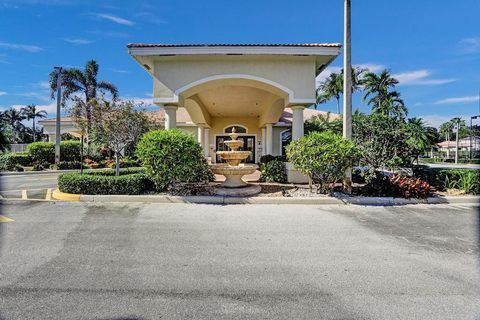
233, 174
233, 158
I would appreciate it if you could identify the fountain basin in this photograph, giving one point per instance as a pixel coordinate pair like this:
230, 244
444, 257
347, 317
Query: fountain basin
234, 157
233, 174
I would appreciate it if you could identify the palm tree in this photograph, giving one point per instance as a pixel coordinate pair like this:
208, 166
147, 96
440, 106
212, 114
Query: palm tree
85, 82
14, 118
31, 113
419, 136
332, 87
382, 99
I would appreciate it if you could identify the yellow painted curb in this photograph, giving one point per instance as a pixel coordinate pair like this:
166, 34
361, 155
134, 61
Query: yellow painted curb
57, 194
5, 219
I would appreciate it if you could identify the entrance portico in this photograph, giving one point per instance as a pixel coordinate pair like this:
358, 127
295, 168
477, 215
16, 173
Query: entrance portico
250, 86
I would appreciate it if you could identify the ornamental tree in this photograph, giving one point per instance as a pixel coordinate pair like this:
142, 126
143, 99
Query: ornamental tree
117, 125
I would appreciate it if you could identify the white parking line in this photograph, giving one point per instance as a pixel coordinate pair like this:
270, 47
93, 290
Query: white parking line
24, 194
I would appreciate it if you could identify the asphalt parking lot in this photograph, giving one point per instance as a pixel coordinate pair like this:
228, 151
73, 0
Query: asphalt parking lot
63, 260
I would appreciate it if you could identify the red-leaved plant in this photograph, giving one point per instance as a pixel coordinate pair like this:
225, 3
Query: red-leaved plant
411, 187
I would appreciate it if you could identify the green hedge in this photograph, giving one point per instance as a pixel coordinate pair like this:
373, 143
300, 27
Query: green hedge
104, 183
273, 171
44, 152
12, 160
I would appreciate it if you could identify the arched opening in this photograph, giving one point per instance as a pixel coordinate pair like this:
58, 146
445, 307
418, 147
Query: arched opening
238, 129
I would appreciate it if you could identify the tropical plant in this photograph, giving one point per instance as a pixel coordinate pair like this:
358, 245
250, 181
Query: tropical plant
322, 123
172, 156
31, 113
332, 86
419, 137
377, 89
76, 81
323, 157
13, 118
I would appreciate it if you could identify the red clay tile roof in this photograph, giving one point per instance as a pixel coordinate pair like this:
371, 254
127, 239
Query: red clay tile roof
167, 45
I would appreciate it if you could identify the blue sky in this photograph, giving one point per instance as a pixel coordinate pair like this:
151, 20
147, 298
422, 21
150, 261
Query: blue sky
432, 46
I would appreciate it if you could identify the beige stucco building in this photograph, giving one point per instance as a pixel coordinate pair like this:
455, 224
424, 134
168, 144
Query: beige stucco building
262, 90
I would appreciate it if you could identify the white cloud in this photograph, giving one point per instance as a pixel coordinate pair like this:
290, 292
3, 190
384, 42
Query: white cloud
326, 73
119, 70
469, 45
115, 19
16, 46
150, 17
2, 93
36, 95
454, 100
78, 41
419, 77
437, 120
44, 85
49, 108
139, 100
372, 67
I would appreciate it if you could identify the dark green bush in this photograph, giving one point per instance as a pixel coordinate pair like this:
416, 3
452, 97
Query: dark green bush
273, 171
70, 150
172, 156
44, 152
106, 183
11, 160
268, 157
67, 165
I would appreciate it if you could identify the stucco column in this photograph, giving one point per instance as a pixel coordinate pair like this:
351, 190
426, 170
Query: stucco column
201, 135
269, 140
264, 137
206, 145
170, 116
297, 122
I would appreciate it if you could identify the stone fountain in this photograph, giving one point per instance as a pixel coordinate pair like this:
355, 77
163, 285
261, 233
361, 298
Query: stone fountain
233, 170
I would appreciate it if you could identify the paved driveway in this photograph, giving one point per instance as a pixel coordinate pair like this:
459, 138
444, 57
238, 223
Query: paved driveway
164, 261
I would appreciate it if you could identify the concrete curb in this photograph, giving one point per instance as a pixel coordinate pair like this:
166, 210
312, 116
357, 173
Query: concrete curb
58, 195
365, 201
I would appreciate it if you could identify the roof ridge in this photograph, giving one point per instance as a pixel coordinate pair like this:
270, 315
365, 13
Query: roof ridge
149, 45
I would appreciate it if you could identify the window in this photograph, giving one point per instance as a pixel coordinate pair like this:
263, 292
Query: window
286, 138
238, 129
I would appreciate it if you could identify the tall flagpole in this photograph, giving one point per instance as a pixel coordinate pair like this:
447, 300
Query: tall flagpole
347, 87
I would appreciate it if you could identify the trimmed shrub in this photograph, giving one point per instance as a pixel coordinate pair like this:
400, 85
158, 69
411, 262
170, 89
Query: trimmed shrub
69, 150
172, 156
268, 157
12, 160
106, 183
273, 171
44, 152
323, 157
